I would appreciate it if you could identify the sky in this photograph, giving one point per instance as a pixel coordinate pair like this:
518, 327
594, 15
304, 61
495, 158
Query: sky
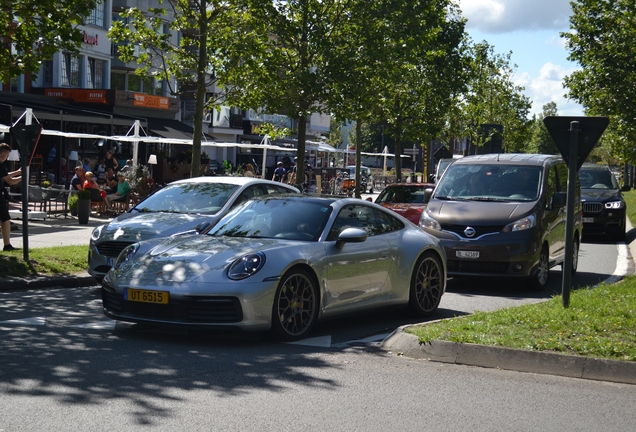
530, 29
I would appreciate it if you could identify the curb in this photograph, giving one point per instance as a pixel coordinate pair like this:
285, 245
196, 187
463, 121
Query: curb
46, 282
547, 363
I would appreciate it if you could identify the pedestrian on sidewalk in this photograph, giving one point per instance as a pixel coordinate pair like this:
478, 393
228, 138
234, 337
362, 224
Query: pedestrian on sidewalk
10, 178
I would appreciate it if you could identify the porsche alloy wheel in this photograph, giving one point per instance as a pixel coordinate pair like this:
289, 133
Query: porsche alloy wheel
295, 306
427, 285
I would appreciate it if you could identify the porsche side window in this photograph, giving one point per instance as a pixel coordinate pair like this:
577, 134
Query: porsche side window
353, 216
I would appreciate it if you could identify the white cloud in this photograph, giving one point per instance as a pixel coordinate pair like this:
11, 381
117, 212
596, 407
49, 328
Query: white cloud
546, 87
501, 16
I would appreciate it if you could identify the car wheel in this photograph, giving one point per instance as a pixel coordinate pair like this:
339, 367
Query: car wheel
295, 307
427, 285
539, 280
575, 257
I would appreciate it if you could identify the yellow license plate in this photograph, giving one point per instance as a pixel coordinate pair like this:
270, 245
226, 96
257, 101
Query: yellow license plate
146, 296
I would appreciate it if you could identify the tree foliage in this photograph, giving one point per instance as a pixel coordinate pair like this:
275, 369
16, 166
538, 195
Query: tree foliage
492, 98
541, 141
34, 30
601, 39
212, 39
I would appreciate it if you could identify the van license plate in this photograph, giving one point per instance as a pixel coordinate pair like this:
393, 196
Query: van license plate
467, 254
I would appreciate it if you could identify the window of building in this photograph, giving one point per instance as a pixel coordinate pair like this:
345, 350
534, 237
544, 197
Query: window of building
134, 83
70, 70
95, 73
118, 81
96, 16
47, 72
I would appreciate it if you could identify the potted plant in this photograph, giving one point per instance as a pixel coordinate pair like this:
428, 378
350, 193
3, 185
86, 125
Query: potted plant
72, 204
83, 206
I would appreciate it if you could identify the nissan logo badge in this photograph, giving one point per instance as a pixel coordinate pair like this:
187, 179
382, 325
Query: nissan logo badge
470, 232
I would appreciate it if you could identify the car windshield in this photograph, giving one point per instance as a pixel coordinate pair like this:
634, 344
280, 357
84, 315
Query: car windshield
597, 179
402, 194
293, 219
199, 198
490, 182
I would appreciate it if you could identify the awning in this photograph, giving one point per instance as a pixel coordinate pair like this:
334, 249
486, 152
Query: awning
173, 129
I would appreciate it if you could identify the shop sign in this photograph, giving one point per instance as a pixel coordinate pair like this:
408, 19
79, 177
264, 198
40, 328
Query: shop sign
149, 101
78, 95
92, 40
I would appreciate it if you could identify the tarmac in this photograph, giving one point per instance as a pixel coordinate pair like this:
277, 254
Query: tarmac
66, 231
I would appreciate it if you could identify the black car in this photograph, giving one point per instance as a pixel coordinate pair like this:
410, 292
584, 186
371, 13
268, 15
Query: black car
603, 203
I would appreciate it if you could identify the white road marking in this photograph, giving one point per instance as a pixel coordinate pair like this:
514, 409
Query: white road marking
35, 321
99, 325
321, 341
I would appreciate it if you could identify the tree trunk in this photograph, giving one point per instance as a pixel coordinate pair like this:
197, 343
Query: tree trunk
195, 169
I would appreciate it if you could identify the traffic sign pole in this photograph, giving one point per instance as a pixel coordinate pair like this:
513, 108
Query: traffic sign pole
569, 215
575, 137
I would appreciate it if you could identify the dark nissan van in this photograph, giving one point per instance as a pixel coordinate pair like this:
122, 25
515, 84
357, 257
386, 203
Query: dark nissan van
503, 215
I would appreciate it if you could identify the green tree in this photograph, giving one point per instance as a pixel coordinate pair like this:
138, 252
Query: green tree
35, 30
285, 74
492, 98
541, 141
396, 66
212, 39
601, 39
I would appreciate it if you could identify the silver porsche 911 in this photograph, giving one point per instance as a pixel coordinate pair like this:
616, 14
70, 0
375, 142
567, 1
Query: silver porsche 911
279, 262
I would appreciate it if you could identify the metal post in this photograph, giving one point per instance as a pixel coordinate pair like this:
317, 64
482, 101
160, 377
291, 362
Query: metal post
569, 216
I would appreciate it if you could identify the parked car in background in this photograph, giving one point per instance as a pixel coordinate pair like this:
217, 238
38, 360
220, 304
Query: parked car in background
279, 263
406, 199
604, 208
366, 178
178, 207
503, 215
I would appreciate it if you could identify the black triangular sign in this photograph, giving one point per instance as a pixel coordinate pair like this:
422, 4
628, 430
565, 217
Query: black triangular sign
442, 153
27, 138
590, 131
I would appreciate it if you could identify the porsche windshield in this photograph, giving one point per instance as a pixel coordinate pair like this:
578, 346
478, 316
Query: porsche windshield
490, 182
293, 219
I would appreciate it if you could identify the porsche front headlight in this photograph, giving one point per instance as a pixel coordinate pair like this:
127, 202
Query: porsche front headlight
246, 266
128, 252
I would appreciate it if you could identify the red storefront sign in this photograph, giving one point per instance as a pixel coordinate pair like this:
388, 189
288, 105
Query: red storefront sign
79, 95
150, 101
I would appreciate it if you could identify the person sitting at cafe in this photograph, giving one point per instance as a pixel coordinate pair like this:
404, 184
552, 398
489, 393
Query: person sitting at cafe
110, 185
91, 183
123, 188
77, 182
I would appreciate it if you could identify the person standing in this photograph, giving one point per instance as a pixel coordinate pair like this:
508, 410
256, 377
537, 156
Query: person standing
291, 178
10, 178
279, 173
110, 161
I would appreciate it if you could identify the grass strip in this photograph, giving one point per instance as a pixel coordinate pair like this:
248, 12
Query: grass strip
600, 322
58, 260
